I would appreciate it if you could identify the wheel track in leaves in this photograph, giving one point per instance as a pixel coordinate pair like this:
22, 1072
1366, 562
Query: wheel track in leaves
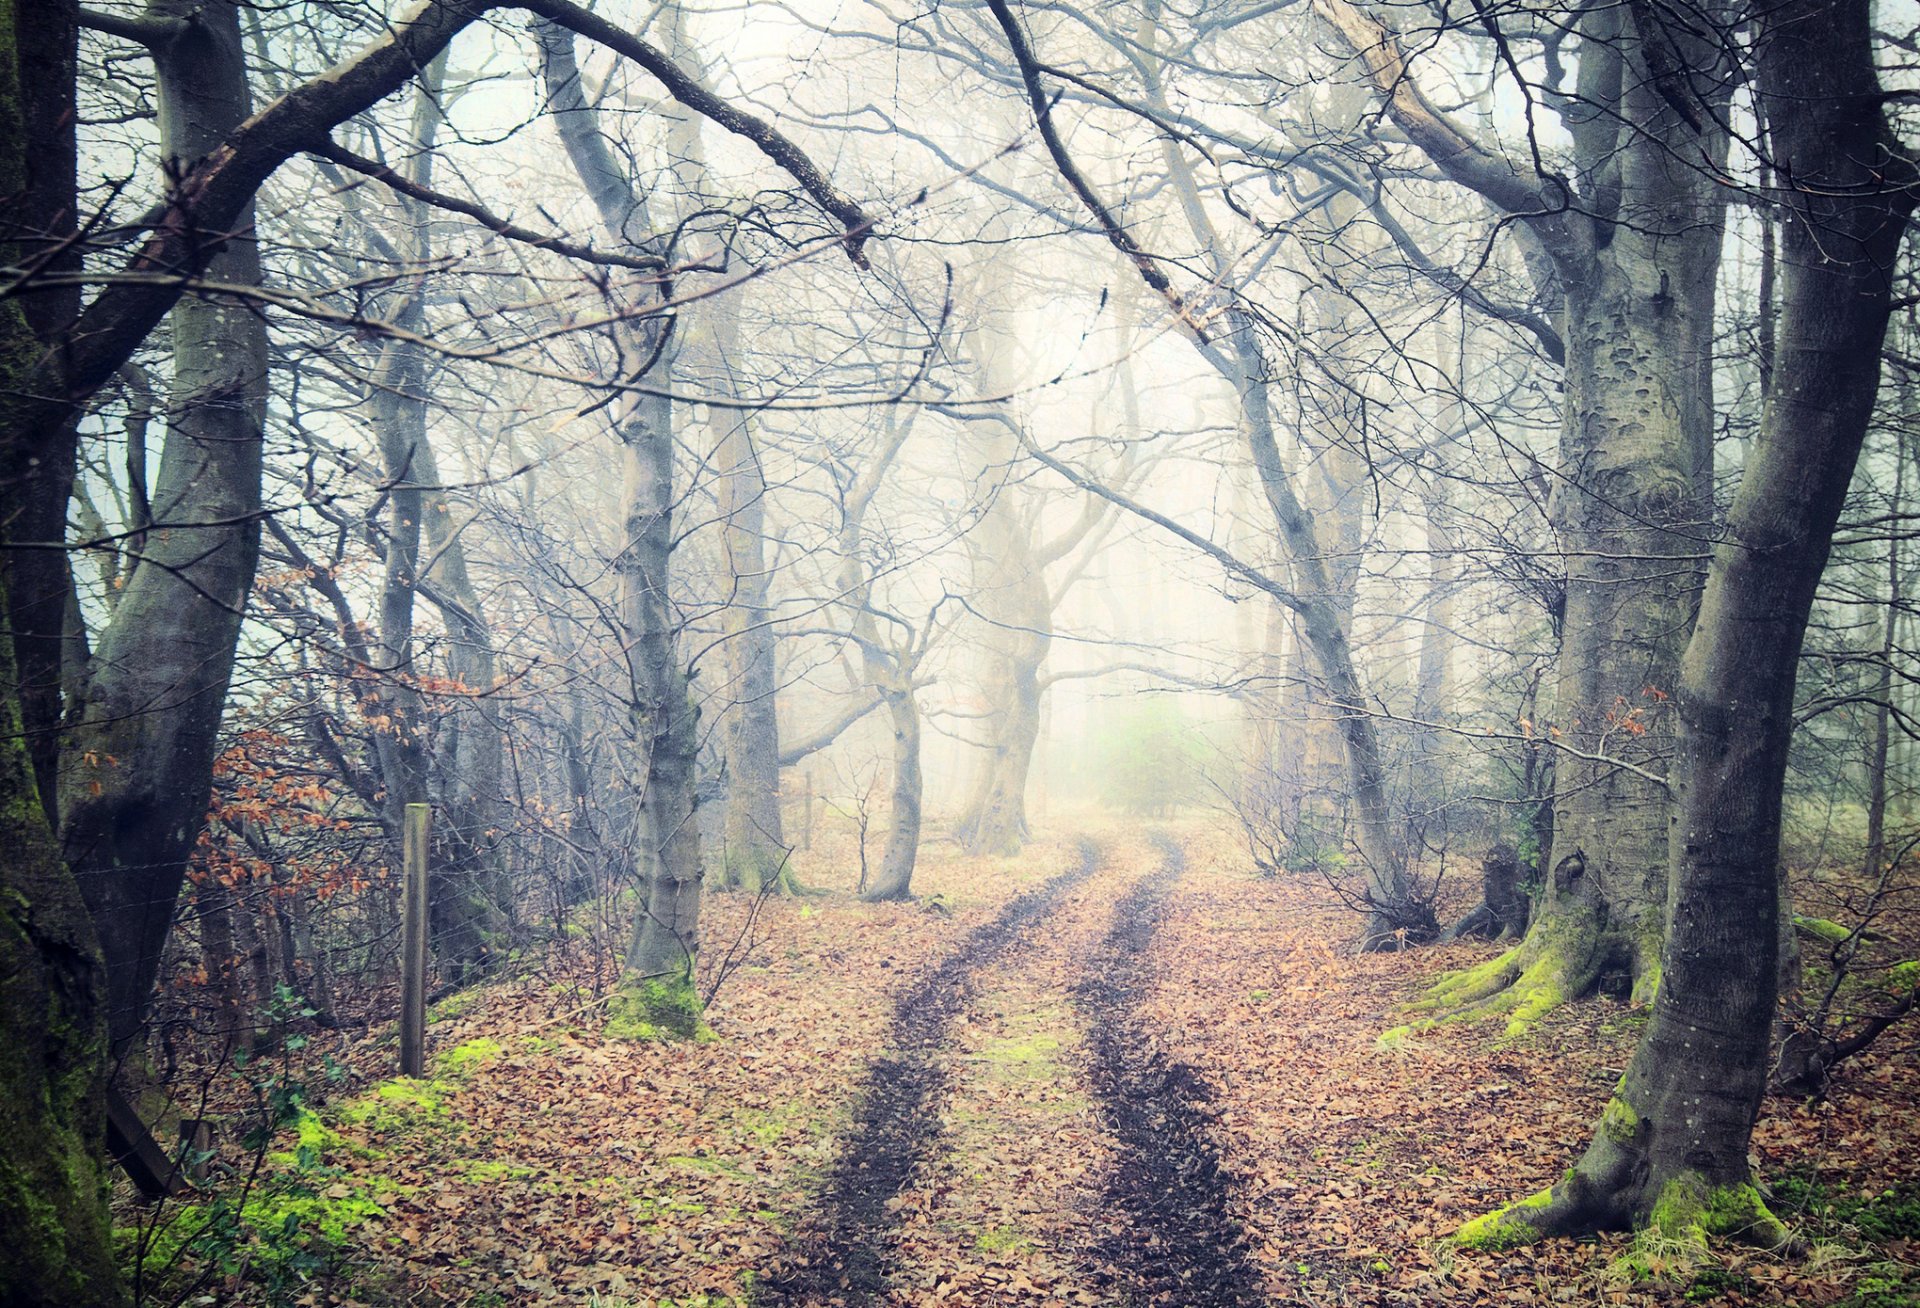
846, 1255
1177, 1242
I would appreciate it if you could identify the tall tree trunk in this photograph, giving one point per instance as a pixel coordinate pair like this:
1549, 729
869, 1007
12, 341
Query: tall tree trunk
53, 1032
656, 993
136, 772
53, 987
1671, 1151
36, 478
460, 899
1878, 743
903, 833
1011, 593
1631, 508
756, 848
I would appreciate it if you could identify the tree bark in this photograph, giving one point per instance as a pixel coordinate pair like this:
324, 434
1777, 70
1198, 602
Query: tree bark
756, 849
53, 1031
903, 832
41, 217
53, 1042
1011, 593
1635, 262
656, 994
136, 771
1671, 1151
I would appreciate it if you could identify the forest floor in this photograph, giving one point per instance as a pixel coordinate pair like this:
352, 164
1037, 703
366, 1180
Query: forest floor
1120, 1069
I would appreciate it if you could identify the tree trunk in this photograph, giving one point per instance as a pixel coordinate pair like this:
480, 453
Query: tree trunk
1631, 507
136, 773
1671, 1151
656, 995
219, 957
903, 834
659, 963
53, 1032
461, 898
36, 476
1011, 593
1396, 914
756, 848
1878, 743
53, 988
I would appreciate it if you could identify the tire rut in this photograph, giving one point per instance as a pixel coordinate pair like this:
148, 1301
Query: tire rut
846, 1257
1177, 1242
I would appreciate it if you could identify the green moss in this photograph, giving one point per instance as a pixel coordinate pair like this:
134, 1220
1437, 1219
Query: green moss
1619, 1122
400, 1104
1884, 1285
1468, 985
1394, 1038
1689, 1209
458, 1004
464, 1059
1904, 978
1647, 988
1534, 1003
706, 1163
659, 1008
493, 1169
1003, 1239
1822, 929
1504, 1228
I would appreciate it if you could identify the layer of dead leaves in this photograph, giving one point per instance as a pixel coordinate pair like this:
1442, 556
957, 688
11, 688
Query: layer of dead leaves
569, 1169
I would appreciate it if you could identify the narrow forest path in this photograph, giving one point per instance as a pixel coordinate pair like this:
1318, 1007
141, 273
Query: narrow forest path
847, 1252
1118, 1071
1154, 1225
1180, 1241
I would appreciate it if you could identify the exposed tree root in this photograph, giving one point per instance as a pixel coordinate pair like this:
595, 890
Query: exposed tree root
1550, 967
1564, 957
1620, 1185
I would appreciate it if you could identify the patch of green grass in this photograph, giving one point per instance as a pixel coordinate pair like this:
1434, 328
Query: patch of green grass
465, 1059
458, 1004
706, 1163
493, 1169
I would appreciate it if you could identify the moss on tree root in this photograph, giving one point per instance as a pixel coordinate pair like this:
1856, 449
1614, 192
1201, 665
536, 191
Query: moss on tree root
1506, 1228
1693, 1210
657, 1008
1688, 1212
1502, 987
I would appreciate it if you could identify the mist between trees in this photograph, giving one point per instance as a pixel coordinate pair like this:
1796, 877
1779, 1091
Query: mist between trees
1445, 443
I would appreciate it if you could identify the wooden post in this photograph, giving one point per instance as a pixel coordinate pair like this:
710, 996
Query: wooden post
413, 943
806, 816
196, 1143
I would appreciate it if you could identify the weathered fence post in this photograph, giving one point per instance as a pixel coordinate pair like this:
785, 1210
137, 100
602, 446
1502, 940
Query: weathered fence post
413, 942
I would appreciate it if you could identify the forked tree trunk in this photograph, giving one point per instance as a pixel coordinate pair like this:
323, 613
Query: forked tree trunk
1630, 509
1671, 1151
136, 773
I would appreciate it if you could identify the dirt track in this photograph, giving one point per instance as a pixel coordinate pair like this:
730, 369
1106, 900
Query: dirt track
845, 1254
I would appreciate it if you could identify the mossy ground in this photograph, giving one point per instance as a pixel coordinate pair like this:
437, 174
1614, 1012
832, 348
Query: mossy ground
657, 1008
